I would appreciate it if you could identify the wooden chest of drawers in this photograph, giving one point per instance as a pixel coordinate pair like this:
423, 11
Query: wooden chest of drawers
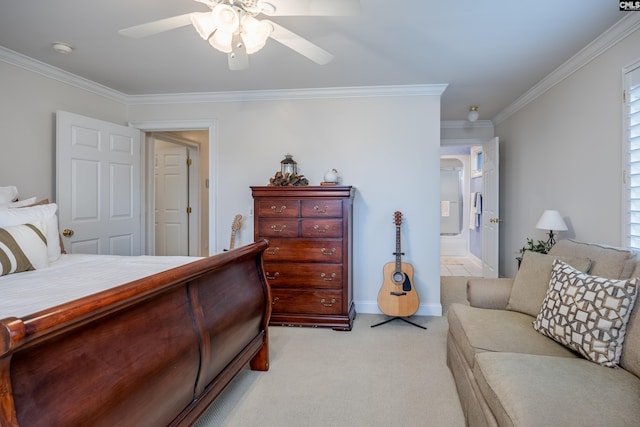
308, 262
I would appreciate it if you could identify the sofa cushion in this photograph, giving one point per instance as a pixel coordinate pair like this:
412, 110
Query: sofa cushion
528, 390
532, 280
606, 261
477, 329
630, 359
588, 314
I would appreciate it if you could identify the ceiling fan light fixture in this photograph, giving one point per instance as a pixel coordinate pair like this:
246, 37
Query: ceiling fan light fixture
203, 23
254, 33
226, 18
221, 40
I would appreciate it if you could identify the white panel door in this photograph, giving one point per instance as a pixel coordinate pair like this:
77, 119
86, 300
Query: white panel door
490, 209
171, 199
98, 174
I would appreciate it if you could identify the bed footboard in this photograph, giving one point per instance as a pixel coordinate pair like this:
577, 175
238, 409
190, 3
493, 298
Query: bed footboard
153, 352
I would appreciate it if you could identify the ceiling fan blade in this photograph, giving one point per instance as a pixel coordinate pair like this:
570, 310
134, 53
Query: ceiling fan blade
310, 7
238, 57
299, 44
155, 27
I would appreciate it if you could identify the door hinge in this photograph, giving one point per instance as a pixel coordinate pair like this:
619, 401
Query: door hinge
188, 161
624, 96
189, 210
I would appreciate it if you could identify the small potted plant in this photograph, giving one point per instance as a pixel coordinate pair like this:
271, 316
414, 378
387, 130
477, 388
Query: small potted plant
540, 246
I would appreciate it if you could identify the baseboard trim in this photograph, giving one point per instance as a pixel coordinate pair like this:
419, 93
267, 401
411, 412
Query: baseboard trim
425, 309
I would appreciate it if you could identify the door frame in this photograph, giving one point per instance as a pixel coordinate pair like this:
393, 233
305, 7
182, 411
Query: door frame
193, 182
472, 142
180, 125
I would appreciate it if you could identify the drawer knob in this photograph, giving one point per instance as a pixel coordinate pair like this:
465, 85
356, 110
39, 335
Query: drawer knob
328, 304
328, 278
272, 251
328, 252
275, 300
278, 209
321, 230
321, 209
279, 229
273, 276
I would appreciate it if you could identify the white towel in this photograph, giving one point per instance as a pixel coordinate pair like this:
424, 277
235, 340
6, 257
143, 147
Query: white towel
478, 208
472, 211
445, 208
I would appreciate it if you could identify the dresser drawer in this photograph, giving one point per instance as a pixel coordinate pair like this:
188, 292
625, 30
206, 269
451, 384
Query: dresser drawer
279, 208
325, 276
321, 227
277, 227
321, 208
292, 301
304, 250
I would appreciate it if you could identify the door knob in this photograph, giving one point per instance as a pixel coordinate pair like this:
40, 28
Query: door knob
67, 233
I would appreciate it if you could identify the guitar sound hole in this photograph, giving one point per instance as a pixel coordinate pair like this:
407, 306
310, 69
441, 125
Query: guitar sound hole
398, 277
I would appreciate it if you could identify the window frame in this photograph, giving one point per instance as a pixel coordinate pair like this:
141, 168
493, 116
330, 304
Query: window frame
626, 155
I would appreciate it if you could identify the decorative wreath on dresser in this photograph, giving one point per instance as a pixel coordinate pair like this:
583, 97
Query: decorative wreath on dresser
280, 180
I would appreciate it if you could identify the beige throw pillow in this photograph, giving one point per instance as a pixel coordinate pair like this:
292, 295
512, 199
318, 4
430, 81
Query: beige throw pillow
532, 280
22, 248
588, 314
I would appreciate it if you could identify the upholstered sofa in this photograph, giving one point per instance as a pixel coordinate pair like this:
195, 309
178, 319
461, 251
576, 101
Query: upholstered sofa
558, 345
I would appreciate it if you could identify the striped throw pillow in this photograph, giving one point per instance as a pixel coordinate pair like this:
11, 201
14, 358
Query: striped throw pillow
22, 248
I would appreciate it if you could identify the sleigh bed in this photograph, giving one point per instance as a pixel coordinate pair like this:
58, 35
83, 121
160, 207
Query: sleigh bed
154, 351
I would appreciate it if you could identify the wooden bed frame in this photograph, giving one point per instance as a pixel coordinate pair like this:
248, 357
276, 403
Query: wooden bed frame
153, 352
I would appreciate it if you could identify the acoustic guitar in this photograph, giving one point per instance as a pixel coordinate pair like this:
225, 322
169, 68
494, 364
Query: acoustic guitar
398, 296
234, 230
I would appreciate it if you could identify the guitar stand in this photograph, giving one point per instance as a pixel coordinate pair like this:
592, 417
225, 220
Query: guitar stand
398, 318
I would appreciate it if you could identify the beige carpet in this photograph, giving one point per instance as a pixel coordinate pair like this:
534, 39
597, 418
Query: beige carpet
391, 375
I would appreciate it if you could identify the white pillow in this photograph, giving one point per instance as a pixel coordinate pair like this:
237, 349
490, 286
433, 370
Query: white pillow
33, 214
22, 248
8, 195
23, 203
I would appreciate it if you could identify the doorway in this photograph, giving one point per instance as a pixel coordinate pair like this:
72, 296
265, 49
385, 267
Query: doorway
460, 219
175, 206
176, 198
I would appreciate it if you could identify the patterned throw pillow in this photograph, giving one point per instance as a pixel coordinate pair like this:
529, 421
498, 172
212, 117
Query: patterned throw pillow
22, 248
588, 314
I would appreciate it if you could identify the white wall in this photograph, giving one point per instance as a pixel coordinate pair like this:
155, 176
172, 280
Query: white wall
27, 123
387, 147
563, 151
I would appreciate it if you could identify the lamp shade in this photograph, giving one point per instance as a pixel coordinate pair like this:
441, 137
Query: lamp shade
551, 220
225, 18
254, 33
221, 40
203, 23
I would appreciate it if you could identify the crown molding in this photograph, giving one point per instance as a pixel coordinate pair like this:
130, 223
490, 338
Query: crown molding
30, 64
465, 124
601, 44
288, 94
22, 61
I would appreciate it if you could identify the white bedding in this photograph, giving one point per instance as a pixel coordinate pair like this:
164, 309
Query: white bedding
73, 276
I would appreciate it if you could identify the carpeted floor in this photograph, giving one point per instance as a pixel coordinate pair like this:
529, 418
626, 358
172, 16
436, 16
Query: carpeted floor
391, 375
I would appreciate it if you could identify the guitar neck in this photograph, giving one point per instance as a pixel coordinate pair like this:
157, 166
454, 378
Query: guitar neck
234, 229
398, 251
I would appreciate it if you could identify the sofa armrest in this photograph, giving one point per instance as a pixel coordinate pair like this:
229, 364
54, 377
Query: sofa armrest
489, 293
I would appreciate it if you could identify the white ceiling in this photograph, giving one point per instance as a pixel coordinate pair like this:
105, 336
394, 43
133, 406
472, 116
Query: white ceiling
488, 52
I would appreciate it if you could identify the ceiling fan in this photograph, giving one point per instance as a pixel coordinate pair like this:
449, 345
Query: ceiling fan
231, 26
